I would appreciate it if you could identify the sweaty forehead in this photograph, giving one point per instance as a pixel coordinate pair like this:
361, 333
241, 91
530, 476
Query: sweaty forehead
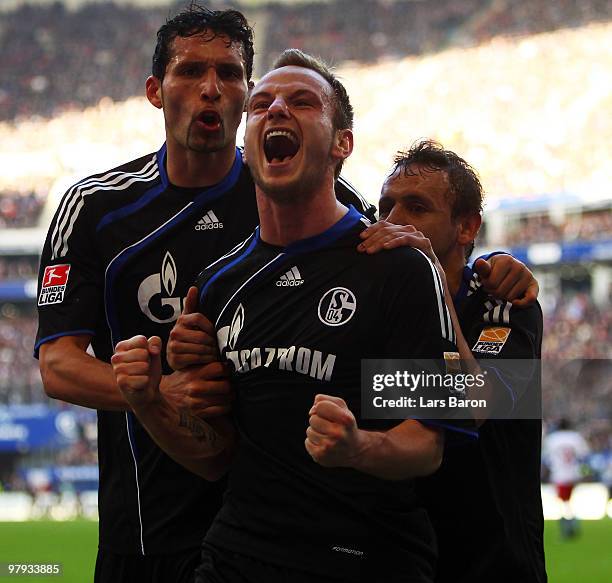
207, 43
418, 180
294, 78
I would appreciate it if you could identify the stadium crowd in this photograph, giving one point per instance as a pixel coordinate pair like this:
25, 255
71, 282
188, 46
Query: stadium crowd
589, 226
19, 209
70, 59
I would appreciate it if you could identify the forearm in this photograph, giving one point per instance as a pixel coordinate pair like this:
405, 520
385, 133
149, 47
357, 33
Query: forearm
203, 447
409, 450
76, 377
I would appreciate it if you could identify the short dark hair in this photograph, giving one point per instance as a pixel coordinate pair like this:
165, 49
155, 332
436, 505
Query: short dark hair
465, 187
343, 110
198, 19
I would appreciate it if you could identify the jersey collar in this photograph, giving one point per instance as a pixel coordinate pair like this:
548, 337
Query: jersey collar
229, 178
335, 232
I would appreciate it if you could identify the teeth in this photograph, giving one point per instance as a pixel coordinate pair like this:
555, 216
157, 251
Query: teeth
275, 133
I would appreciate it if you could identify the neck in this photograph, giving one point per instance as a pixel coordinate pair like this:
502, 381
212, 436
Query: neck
189, 169
453, 265
287, 222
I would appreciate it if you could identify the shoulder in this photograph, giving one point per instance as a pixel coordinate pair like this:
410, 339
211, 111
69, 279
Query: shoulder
116, 183
403, 263
347, 194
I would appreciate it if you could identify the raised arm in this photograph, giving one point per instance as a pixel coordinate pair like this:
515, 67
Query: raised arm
502, 275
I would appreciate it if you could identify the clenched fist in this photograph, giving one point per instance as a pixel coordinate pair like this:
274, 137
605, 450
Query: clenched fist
333, 438
137, 367
192, 340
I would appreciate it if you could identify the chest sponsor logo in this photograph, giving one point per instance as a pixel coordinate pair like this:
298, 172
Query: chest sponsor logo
290, 279
491, 340
208, 222
54, 282
337, 306
155, 293
300, 359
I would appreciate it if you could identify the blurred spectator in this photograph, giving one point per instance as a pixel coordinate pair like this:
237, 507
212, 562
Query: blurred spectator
18, 267
57, 59
576, 328
588, 226
19, 375
19, 209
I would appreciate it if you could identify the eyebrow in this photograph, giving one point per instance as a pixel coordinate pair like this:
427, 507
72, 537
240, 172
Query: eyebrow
296, 94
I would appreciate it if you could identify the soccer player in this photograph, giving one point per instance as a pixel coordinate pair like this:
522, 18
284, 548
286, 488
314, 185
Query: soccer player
339, 505
563, 451
485, 500
120, 254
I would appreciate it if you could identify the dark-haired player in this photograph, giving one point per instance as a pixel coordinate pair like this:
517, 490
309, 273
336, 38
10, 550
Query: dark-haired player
485, 500
341, 505
121, 251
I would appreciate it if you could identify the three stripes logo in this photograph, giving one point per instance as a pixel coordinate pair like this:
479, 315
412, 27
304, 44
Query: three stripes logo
290, 279
209, 221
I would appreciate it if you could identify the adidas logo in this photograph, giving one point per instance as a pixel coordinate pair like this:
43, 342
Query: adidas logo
290, 279
209, 221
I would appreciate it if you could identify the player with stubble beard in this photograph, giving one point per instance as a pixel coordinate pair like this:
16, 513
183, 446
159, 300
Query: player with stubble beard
120, 254
316, 493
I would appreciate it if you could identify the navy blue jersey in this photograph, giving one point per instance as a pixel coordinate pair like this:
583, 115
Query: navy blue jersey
121, 252
294, 322
491, 527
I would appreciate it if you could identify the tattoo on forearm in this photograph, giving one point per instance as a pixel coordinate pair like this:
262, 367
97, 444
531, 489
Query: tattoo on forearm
201, 430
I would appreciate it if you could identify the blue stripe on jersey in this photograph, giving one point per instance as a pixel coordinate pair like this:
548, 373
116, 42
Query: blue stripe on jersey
463, 286
231, 264
347, 222
155, 191
129, 209
116, 265
82, 332
511, 392
450, 427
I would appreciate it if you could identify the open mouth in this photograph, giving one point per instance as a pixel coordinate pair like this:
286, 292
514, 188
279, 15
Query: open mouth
210, 120
280, 145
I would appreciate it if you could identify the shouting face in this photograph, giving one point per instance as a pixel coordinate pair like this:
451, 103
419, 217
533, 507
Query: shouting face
290, 142
203, 93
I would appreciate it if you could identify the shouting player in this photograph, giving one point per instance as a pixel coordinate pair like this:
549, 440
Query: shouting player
339, 505
120, 254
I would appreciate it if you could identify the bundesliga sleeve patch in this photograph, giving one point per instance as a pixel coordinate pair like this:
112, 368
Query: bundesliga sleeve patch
491, 340
55, 280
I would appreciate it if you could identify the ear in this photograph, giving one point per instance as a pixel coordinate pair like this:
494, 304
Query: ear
343, 144
153, 91
467, 228
250, 86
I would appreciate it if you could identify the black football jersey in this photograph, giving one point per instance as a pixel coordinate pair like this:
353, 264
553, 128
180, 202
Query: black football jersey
490, 527
121, 252
294, 322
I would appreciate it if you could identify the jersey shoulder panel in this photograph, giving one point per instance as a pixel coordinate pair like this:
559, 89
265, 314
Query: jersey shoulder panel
347, 194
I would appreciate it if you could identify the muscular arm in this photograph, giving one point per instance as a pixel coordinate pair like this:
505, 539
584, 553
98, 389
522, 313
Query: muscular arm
203, 447
72, 375
408, 450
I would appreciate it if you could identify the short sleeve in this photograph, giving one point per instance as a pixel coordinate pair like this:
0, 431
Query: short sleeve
70, 279
502, 332
418, 325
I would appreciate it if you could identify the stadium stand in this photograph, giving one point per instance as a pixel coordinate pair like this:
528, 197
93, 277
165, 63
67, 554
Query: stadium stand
50, 69
404, 88
20, 210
